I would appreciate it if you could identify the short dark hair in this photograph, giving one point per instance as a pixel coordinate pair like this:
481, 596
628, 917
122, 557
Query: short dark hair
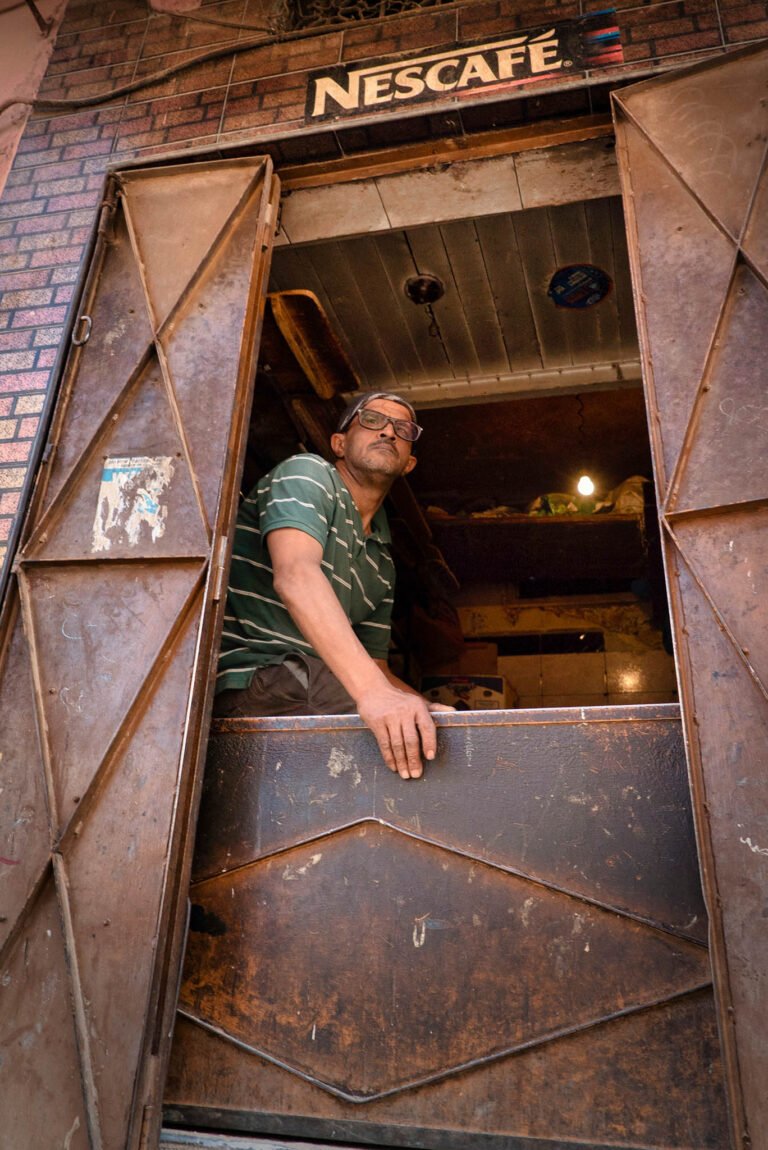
362, 400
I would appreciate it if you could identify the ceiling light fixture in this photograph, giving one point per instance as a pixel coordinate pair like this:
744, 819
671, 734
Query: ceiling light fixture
424, 289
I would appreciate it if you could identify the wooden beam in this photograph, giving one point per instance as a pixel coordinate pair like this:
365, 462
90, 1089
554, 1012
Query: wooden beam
408, 157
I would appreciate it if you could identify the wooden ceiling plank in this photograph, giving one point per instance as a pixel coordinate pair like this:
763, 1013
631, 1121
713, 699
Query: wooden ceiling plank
534, 236
382, 299
355, 313
397, 259
581, 331
431, 258
503, 264
603, 254
470, 274
622, 284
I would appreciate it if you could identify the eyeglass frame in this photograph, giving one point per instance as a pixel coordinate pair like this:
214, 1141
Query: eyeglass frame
378, 415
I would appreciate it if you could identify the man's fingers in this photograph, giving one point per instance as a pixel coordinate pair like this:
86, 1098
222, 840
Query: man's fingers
427, 734
412, 755
405, 733
401, 752
385, 745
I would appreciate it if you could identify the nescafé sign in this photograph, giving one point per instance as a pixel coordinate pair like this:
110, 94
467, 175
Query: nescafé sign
395, 82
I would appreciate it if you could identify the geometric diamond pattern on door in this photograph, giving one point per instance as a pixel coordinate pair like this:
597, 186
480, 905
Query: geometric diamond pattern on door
104, 687
437, 968
692, 151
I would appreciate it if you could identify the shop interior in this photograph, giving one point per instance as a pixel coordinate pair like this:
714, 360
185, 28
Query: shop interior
513, 335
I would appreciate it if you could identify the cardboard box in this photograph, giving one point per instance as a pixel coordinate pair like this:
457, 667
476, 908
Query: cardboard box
469, 692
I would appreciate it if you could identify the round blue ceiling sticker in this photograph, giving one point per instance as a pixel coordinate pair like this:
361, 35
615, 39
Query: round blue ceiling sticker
579, 285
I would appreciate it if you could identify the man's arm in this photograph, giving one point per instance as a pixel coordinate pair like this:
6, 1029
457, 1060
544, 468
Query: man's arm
398, 717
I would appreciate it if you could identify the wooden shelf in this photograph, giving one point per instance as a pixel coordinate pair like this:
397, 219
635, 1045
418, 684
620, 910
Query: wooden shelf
555, 547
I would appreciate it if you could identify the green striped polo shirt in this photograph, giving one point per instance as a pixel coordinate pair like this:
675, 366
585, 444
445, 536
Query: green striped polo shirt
308, 493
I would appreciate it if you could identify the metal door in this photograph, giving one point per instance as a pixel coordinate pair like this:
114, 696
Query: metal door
105, 647
508, 953
692, 151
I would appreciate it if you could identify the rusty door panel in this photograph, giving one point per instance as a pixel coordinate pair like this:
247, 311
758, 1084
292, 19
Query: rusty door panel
692, 152
411, 964
558, 781
103, 688
24, 848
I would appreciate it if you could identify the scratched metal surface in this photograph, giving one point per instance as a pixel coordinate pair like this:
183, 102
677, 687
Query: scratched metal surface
107, 629
389, 953
692, 153
597, 808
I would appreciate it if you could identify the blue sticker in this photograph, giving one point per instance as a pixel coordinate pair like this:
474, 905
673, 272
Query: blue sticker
579, 285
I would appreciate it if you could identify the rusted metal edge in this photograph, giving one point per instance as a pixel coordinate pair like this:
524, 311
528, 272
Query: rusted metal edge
533, 717
685, 513
471, 1064
37, 564
341, 1128
34, 892
77, 998
461, 852
194, 1140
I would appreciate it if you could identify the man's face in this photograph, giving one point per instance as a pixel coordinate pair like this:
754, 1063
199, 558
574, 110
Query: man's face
376, 452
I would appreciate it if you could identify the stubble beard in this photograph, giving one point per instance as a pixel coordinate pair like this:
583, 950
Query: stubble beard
380, 461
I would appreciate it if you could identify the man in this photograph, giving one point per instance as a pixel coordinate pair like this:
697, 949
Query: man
306, 630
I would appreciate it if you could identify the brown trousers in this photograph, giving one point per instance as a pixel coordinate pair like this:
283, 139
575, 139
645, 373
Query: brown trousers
300, 685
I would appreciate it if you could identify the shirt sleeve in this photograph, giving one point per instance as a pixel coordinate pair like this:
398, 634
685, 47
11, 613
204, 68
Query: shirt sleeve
297, 493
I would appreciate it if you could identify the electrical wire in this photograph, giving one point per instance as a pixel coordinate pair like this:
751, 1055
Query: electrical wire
234, 24
43, 105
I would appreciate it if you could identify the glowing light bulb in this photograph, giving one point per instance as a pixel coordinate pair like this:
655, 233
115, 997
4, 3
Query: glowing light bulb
585, 486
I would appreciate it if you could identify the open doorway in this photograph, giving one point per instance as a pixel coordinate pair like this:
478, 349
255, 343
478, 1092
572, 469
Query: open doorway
514, 589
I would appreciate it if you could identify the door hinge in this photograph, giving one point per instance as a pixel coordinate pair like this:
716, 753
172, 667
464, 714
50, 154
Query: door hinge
220, 568
108, 207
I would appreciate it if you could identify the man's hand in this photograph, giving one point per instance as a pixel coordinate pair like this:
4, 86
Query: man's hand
403, 726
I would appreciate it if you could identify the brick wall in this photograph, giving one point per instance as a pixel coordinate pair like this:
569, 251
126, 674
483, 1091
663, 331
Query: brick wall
48, 206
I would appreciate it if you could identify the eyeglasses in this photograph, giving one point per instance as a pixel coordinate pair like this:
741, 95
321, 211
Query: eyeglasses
376, 420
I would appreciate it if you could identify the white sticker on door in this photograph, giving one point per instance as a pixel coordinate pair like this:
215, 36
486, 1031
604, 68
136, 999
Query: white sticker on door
130, 509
